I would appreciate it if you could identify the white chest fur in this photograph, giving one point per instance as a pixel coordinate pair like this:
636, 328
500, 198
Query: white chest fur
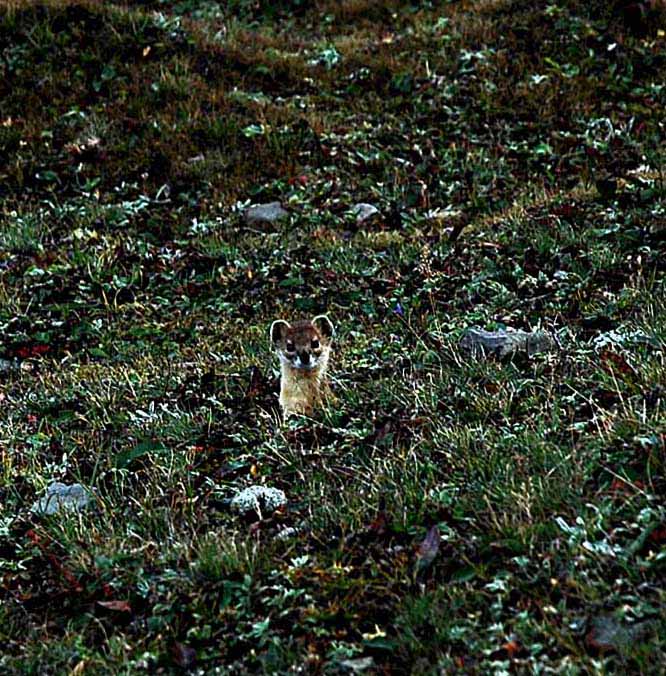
301, 390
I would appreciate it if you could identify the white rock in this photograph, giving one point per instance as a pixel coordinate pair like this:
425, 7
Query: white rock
624, 337
358, 665
271, 212
503, 343
287, 533
63, 497
364, 212
259, 499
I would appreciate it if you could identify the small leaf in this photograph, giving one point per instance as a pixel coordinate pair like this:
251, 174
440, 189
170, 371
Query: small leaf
658, 535
464, 574
120, 606
47, 175
254, 130
379, 524
292, 281
428, 549
511, 648
381, 643
183, 655
616, 363
125, 458
98, 352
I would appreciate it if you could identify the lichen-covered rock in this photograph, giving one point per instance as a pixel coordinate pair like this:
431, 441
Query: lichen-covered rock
271, 212
364, 212
259, 499
623, 337
504, 343
63, 497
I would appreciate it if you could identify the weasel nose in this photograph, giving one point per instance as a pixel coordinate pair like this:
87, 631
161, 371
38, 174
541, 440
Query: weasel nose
305, 357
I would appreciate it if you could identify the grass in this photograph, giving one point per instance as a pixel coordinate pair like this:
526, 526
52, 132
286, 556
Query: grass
516, 154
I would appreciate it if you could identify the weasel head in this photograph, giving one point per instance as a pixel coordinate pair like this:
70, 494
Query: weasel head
304, 345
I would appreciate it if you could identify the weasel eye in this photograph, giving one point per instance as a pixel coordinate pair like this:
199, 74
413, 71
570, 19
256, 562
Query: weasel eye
315, 343
290, 346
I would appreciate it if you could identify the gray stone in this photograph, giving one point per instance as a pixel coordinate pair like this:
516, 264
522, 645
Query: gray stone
358, 665
611, 633
258, 499
364, 212
287, 533
271, 212
504, 343
63, 497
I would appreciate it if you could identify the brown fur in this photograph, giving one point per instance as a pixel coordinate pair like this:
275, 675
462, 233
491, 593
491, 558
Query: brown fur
304, 348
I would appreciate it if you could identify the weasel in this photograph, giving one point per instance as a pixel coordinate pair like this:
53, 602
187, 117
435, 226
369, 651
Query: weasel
303, 349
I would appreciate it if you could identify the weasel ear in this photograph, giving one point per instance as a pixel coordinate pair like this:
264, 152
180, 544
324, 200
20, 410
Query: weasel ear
279, 330
323, 324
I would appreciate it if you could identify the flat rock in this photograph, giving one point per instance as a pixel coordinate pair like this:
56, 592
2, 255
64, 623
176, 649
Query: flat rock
504, 343
259, 499
271, 212
63, 497
364, 212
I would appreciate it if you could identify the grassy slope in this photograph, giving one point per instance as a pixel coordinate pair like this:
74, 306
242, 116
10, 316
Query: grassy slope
134, 307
